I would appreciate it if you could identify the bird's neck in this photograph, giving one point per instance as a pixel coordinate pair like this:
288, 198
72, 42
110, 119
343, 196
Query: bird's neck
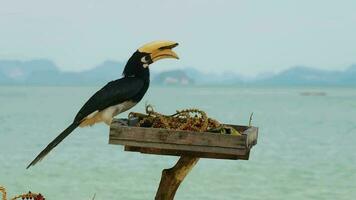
141, 74
134, 68
144, 75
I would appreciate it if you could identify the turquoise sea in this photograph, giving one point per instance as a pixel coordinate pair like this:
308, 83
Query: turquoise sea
306, 147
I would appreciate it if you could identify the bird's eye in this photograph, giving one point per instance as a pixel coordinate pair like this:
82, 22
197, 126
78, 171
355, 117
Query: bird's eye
144, 60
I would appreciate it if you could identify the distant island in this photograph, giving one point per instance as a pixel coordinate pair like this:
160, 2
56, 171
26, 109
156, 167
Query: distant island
46, 72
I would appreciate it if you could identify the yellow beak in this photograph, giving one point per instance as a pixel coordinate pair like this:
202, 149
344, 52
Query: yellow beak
159, 50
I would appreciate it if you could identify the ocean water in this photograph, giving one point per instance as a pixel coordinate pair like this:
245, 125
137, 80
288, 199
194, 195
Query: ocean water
306, 147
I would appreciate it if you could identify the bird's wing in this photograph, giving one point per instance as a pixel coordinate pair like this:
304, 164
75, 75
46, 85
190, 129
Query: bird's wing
111, 94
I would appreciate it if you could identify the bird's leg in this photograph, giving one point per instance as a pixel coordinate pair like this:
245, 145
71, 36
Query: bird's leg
108, 121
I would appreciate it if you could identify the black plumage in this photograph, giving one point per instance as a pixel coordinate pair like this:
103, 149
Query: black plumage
113, 93
131, 87
119, 95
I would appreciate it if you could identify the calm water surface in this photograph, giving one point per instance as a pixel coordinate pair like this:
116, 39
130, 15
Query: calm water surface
306, 147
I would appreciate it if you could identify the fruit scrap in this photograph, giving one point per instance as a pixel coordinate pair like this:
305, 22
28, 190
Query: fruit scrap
189, 120
29, 195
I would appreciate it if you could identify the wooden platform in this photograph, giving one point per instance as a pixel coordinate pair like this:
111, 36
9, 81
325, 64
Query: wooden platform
183, 143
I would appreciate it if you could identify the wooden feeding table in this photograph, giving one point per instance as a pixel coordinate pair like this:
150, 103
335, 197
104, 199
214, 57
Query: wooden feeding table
190, 146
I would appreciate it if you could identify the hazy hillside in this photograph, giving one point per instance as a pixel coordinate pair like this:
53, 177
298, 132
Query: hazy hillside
45, 72
301, 75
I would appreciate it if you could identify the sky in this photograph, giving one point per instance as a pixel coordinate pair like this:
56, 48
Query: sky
247, 37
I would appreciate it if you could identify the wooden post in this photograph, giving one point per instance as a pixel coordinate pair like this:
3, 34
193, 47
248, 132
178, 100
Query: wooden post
189, 145
173, 177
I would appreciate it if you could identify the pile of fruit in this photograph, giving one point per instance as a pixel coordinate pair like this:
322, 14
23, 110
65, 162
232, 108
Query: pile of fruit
189, 120
29, 195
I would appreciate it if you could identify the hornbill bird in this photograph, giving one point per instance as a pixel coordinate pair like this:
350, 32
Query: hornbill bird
117, 96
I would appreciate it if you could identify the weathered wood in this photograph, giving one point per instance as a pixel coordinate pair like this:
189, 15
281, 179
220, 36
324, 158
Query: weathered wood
184, 143
251, 134
174, 152
177, 137
189, 145
173, 177
205, 149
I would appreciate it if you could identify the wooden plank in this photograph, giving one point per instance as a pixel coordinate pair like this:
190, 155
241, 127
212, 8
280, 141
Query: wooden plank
252, 134
171, 152
183, 143
177, 137
204, 149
